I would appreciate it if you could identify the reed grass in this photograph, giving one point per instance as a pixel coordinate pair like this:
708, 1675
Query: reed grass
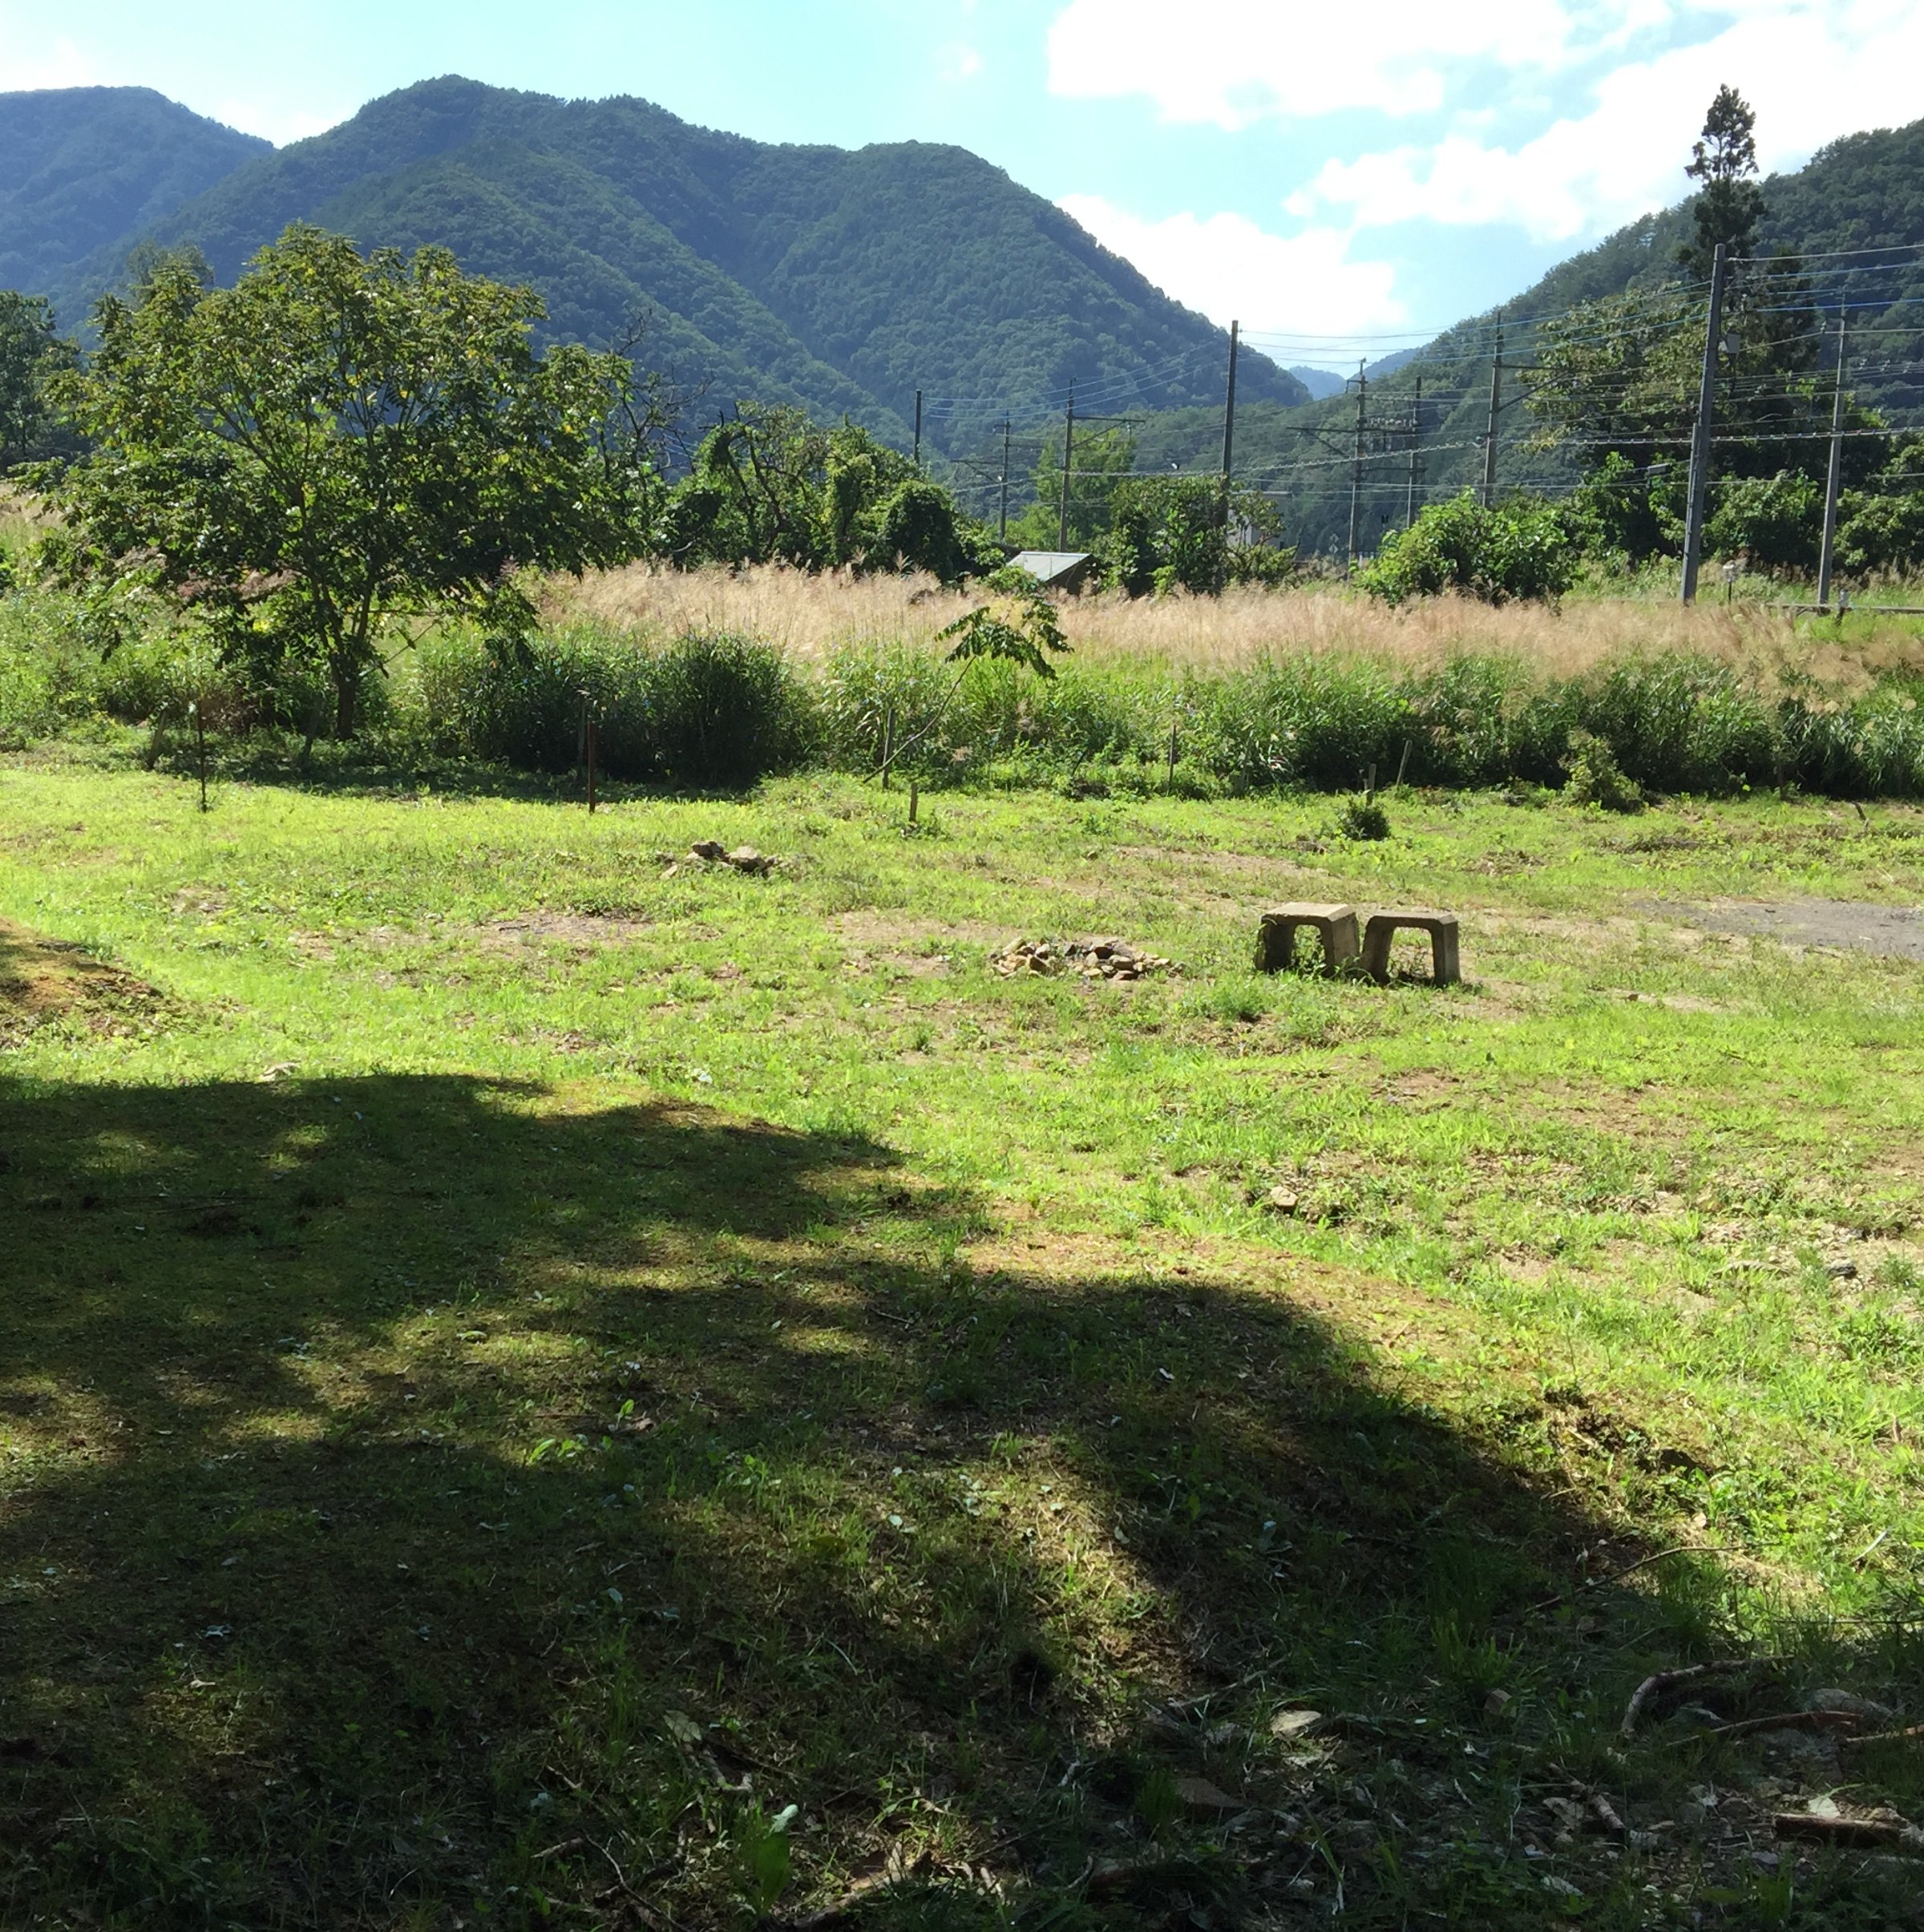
812, 617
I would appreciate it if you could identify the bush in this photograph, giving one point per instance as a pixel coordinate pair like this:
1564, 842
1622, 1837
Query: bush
1777, 521
1363, 819
1595, 777
709, 708
723, 711
1523, 548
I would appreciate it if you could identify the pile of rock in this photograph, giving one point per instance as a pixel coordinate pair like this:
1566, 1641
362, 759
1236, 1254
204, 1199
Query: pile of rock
711, 851
1106, 959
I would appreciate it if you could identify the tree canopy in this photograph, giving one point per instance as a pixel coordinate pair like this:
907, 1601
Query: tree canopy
32, 354
770, 486
335, 442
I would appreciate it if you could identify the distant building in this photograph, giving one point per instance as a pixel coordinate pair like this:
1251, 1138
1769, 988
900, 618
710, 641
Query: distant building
1056, 569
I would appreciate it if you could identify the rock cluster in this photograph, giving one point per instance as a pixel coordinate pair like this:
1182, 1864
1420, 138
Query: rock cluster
711, 851
1092, 959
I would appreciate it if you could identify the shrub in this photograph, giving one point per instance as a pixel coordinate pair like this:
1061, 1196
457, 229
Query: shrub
1363, 819
1595, 777
1523, 548
1777, 521
1684, 724
709, 708
723, 711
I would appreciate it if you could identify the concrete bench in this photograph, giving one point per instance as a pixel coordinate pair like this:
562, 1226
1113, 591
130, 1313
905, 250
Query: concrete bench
1384, 927
1276, 936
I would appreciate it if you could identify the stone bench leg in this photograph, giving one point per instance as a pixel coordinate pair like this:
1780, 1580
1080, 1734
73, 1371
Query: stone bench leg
1276, 936
1444, 965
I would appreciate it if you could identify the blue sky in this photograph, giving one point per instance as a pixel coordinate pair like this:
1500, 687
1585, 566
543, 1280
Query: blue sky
1334, 179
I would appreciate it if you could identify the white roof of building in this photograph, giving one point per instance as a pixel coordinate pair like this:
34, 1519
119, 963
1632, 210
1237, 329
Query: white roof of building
1045, 566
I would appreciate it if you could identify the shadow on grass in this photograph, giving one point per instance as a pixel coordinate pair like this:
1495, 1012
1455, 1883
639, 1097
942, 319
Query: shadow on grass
425, 1504
392, 765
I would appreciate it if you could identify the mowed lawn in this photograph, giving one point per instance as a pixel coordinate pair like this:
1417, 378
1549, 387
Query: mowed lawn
543, 1385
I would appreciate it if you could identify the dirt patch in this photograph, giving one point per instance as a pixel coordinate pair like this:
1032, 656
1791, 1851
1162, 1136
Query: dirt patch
882, 931
1853, 925
577, 928
42, 980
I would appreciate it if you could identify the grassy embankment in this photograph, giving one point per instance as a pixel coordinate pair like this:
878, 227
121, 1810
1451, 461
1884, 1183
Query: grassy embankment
520, 1366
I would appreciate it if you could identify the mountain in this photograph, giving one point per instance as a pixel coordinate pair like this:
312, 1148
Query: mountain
1321, 383
86, 169
1864, 192
842, 281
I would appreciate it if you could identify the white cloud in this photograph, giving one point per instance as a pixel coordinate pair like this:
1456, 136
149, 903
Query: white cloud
1812, 71
957, 61
1232, 270
279, 124
63, 65
1235, 62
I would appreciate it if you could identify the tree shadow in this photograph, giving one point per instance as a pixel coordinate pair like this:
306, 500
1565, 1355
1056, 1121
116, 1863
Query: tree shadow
430, 1500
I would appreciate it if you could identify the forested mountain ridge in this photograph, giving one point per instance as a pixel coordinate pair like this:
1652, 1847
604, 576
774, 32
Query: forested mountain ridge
841, 279
82, 168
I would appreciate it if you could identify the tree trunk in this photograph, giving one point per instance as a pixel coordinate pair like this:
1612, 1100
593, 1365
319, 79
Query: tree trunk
347, 689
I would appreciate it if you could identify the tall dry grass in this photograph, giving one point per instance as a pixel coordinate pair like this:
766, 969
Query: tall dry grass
812, 616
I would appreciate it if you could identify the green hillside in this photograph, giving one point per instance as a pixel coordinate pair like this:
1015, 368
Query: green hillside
1863, 193
86, 169
842, 280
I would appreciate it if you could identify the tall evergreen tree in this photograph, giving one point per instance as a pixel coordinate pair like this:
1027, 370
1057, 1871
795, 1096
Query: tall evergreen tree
1730, 204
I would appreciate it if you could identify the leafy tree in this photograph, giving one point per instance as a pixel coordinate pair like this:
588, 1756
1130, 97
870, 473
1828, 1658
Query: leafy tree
1777, 521
1523, 548
336, 442
773, 487
1103, 459
32, 354
1881, 528
1730, 205
1170, 532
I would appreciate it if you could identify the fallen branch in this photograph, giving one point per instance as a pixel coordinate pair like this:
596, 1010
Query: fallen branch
1883, 1737
1787, 1720
1873, 1833
1665, 1681
1604, 1812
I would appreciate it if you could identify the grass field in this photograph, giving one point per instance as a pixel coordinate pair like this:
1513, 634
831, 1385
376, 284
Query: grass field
541, 1385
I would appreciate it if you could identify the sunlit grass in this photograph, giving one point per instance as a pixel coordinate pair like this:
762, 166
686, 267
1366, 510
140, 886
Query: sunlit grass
520, 1364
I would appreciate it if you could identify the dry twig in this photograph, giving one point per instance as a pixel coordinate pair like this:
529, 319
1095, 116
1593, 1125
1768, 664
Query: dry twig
1788, 1720
1874, 1832
1663, 1682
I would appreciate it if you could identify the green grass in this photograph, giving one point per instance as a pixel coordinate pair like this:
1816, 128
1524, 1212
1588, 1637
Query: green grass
519, 1364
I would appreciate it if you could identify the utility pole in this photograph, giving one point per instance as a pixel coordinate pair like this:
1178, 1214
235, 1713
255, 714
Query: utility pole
1489, 433
1069, 451
1229, 450
918, 428
1837, 469
1699, 441
1002, 528
1229, 416
1355, 462
1416, 445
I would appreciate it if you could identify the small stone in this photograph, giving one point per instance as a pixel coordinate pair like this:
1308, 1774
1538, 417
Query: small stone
713, 849
1282, 1200
1842, 1270
1496, 1702
1294, 1724
1198, 1794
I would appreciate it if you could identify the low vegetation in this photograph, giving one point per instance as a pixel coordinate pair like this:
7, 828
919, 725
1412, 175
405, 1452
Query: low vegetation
550, 1382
